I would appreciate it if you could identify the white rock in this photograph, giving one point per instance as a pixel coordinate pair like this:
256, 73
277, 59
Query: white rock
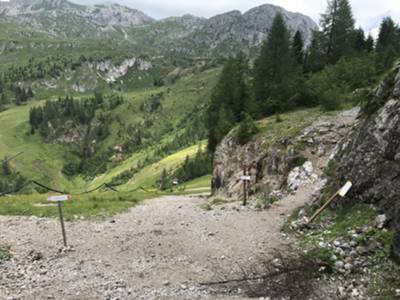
380, 221
300, 176
339, 264
348, 267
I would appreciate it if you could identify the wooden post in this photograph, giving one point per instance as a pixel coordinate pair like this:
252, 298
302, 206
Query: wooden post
342, 193
62, 223
244, 187
319, 211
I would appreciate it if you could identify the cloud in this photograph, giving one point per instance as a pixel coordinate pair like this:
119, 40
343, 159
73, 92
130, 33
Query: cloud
368, 13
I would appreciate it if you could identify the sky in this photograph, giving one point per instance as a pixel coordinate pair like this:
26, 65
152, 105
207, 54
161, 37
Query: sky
368, 13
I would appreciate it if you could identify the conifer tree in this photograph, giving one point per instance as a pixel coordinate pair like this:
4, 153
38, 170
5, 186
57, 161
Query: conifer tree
230, 99
272, 69
298, 48
315, 58
369, 43
388, 44
360, 42
337, 30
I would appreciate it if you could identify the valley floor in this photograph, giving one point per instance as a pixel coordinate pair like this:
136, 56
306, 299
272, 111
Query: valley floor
162, 249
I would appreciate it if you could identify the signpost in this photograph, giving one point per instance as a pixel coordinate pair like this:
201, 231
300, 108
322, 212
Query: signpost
342, 193
246, 181
60, 199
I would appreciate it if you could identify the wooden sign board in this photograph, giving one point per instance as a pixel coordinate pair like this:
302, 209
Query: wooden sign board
345, 189
59, 198
245, 178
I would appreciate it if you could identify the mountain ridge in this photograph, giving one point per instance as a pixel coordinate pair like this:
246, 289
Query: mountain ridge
67, 19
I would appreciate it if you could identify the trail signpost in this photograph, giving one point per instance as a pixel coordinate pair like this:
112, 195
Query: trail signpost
246, 182
60, 199
342, 193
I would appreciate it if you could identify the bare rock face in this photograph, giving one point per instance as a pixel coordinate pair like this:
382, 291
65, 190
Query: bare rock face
268, 168
370, 156
289, 163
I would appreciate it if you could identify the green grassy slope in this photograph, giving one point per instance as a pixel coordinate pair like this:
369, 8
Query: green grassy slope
44, 161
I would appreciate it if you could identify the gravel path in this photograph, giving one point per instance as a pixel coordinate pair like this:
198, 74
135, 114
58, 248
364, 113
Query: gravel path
161, 249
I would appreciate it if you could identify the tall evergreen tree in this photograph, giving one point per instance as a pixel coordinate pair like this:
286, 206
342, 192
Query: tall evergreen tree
298, 48
369, 43
387, 35
360, 42
272, 69
388, 44
315, 57
230, 99
338, 30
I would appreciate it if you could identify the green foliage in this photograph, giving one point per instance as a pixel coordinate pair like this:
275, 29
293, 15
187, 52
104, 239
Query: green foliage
273, 70
10, 180
266, 201
4, 254
195, 167
298, 48
247, 129
95, 205
338, 32
191, 168
332, 85
165, 181
89, 116
388, 44
230, 100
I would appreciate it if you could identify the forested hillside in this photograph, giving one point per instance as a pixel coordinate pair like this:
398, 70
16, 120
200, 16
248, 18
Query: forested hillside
337, 70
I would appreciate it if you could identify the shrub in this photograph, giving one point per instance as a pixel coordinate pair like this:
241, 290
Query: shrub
247, 129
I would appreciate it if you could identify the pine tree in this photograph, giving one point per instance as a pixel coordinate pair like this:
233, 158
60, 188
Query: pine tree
387, 35
229, 100
337, 30
272, 69
388, 44
164, 181
369, 44
298, 48
247, 129
360, 42
315, 58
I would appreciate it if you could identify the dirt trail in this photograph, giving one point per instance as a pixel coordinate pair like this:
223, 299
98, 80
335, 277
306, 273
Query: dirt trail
161, 249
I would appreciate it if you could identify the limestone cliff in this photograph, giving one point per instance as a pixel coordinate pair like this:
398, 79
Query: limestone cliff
370, 155
279, 161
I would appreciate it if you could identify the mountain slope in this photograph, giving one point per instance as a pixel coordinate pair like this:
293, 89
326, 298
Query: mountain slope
66, 19
188, 35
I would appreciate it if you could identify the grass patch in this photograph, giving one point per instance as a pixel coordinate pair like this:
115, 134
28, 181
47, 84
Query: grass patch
215, 202
266, 201
335, 225
97, 205
340, 222
4, 254
289, 125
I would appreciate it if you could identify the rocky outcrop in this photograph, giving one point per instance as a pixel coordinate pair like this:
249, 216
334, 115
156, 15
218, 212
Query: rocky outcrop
221, 35
370, 156
232, 29
69, 19
291, 162
111, 72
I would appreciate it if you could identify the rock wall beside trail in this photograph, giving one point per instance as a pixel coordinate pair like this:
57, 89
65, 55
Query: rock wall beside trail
291, 162
370, 155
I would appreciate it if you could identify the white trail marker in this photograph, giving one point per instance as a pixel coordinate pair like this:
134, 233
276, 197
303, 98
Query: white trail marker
60, 199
